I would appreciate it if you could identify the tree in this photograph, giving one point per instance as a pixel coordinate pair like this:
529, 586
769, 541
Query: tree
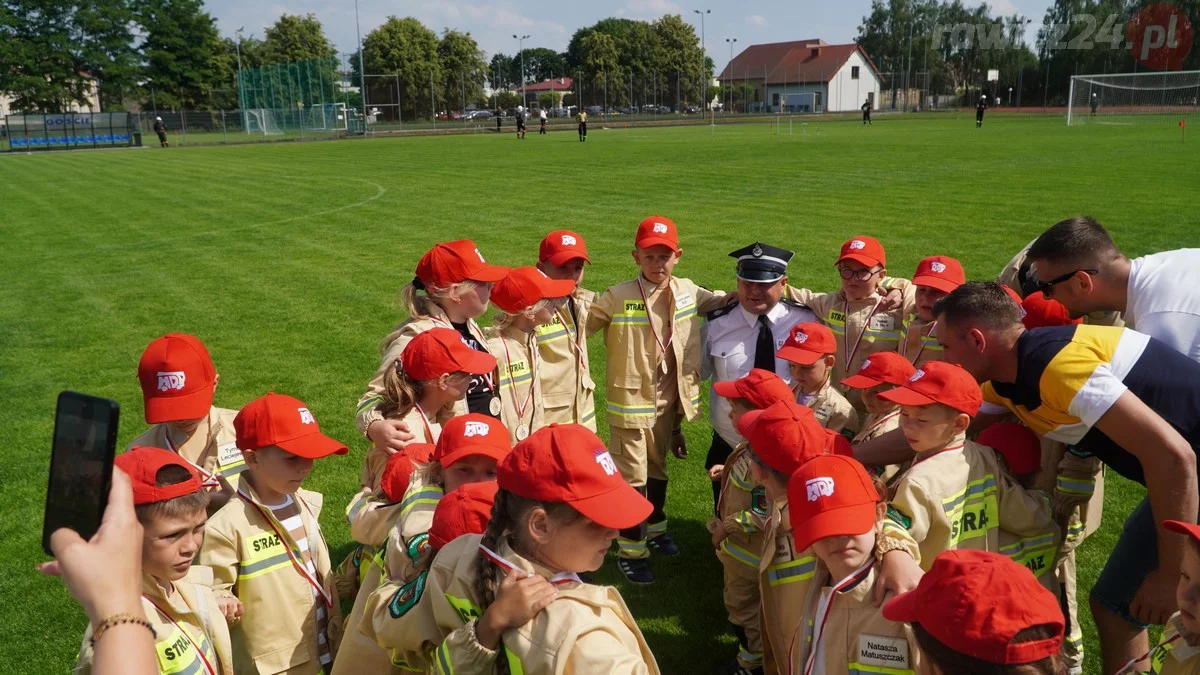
105, 39
541, 64
409, 49
462, 62
43, 68
181, 51
503, 72
601, 65
297, 38
680, 56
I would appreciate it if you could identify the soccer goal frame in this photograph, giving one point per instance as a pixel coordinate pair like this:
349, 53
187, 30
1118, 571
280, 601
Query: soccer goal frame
262, 120
1134, 98
327, 117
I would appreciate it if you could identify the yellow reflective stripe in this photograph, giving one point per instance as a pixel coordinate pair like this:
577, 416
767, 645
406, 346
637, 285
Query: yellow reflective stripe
1017, 548
1075, 531
657, 528
632, 549
631, 411
591, 415
747, 656
685, 312
177, 656
861, 669
355, 506
738, 483
973, 491
791, 572
1075, 486
400, 663
514, 663
368, 403
264, 566
465, 609
740, 554
429, 495
441, 661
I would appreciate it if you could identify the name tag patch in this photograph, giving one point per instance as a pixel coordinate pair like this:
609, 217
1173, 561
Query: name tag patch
229, 454
683, 300
887, 652
883, 322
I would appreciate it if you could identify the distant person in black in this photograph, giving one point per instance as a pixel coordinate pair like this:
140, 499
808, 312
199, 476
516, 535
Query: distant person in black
866, 108
161, 130
520, 121
499, 118
1095, 102
979, 108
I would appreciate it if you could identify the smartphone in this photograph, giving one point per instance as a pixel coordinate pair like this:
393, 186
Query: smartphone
81, 464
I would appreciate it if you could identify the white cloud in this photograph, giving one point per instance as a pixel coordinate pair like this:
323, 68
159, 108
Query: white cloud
756, 20
650, 9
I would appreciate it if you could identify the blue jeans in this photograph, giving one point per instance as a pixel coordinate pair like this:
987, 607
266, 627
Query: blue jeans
1133, 558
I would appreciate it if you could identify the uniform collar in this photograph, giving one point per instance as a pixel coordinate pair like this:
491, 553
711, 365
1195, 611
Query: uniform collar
519, 562
774, 315
956, 443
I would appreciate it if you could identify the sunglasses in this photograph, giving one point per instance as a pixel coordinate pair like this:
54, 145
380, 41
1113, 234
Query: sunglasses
861, 275
1047, 287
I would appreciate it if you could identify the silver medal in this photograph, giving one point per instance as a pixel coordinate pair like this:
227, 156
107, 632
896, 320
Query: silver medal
494, 406
522, 432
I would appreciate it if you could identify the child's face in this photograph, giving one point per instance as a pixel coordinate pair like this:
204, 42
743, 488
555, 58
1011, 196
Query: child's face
656, 262
926, 297
812, 377
469, 469
169, 545
454, 385
277, 469
572, 269
1187, 594
737, 408
186, 427
546, 313
856, 288
874, 404
931, 427
475, 301
577, 546
845, 553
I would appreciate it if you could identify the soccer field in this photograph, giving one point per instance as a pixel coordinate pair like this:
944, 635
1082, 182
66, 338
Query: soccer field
286, 260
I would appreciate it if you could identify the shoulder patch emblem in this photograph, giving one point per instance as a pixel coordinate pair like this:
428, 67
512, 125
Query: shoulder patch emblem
407, 597
898, 517
758, 500
418, 545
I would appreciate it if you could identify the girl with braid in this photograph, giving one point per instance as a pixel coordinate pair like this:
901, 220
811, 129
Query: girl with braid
510, 600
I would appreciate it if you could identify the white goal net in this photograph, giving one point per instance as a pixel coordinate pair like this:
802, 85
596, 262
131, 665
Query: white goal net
326, 117
1134, 98
262, 121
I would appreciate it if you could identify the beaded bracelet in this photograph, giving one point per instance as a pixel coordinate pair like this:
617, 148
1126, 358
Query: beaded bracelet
117, 620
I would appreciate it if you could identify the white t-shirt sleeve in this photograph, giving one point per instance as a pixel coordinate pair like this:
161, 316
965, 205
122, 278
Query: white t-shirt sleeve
1179, 330
1097, 395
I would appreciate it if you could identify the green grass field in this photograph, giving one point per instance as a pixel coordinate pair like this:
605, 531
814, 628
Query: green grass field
285, 259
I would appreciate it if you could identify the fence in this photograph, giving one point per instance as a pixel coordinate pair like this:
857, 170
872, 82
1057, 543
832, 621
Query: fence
67, 130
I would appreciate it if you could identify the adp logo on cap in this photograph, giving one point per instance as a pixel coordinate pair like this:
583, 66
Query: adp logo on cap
475, 429
938, 266
659, 228
606, 462
917, 375
819, 487
306, 417
857, 245
175, 379
801, 338
865, 364
568, 240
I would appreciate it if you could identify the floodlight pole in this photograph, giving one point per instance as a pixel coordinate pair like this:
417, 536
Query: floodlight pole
362, 71
238, 46
703, 56
521, 50
729, 67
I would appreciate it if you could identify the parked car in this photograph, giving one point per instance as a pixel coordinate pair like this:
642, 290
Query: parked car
479, 115
595, 110
690, 110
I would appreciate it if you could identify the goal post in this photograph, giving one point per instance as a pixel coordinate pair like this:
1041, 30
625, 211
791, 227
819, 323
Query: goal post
326, 117
1134, 98
262, 121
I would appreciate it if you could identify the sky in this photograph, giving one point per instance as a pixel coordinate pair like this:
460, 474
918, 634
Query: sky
551, 24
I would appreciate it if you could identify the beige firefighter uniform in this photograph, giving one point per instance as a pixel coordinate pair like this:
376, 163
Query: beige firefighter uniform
875, 426
251, 562
212, 448
517, 380
1011, 276
831, 409
854, 635
587, 630
962, 498
1177, 652
564, 371
412, 525
190, 633
425, 428
743, 511
919, 343
394, 344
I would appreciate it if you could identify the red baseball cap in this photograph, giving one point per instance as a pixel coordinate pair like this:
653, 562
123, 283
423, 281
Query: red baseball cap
863, 249
831, 496
939, 382
761, 388
284, 422
177, 378
975, 603
784, 436
1041, 311
837, 444
1019, 446
941, 272
881, 368
471, 434
439, 351
465, 510
142, 465
398, 471
657, 231
1181, 527
567, 463
525, 287
808, 343
562, 246
453, 262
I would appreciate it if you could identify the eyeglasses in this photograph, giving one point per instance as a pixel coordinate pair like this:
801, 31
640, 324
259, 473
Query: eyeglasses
1047, 287
861, 275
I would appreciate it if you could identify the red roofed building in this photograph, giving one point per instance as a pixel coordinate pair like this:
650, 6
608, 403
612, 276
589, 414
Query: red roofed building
559, 85
804, 76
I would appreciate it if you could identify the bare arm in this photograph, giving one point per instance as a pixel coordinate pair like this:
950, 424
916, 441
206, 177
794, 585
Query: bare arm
892, 447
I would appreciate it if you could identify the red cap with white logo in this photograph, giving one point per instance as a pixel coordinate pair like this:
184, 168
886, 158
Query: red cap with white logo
471, 434
439, 351
831, 496
527, 286
569, 464
453, 262
785, 436
808, 343
465, 510
865, 250
761, 388
940, 272
398, 471
284, 422
939, 382
881, 368
177, 378
562, 246
657, 231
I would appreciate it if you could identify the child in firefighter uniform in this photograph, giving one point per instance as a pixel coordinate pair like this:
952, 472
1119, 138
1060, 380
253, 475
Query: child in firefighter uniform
266, 548
568, 390
191, 634
838, 510
450, 290
957, 493
1178, 650
560, 504
742, 512
935, 278
878, 374
652, 333
811, 352
782, 438
526, 299
178, 382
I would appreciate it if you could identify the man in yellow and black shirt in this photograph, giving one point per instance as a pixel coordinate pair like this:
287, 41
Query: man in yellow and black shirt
1124, 397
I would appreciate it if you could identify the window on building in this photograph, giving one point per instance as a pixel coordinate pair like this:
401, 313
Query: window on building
774, 99
854, 72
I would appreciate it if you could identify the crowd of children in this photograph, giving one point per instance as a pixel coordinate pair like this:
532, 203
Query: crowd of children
487, 498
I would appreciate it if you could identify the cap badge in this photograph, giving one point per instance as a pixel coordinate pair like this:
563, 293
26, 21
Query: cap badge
306, 417
819, 487
173, 379
1019, 309
801, 338
866, 364
917, 375
606, 462
568, 240
659, 228
857, 245
756, 251
476, 429
938, 267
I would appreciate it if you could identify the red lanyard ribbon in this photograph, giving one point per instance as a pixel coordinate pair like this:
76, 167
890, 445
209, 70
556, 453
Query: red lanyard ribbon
532, 349
425, 420
922, 349
1130, 662
206, 479
855, 578
846, 330
572, 339
662, 346
285, 537
207, 665
558, 579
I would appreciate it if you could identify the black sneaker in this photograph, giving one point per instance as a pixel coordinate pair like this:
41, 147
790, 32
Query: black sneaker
735, 668
636, 571
663, 544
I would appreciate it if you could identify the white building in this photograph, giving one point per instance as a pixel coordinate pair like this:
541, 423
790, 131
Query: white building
802, 76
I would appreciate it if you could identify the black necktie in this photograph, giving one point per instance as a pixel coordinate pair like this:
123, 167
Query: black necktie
764, 350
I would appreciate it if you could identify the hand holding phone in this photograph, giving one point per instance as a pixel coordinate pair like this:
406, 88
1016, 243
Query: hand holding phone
81, 464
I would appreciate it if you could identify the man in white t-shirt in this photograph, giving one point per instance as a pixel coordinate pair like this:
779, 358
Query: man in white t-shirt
1076, 263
